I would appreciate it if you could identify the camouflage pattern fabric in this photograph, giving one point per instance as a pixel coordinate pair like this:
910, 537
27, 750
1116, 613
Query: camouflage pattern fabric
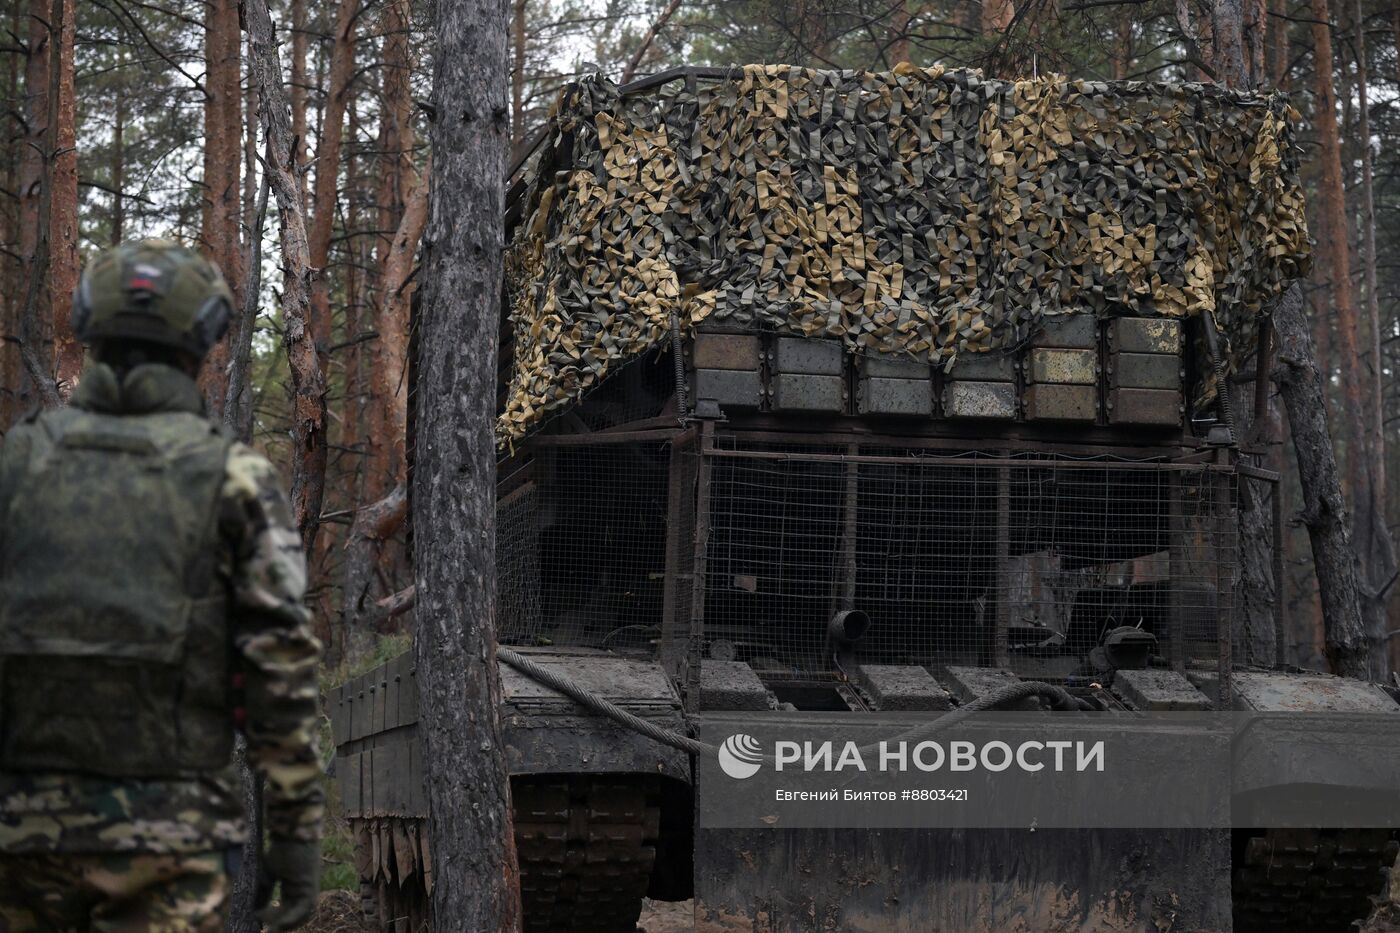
921, 211
165, 893
270, 632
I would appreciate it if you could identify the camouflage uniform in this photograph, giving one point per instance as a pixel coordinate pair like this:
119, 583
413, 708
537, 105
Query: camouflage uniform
81, 851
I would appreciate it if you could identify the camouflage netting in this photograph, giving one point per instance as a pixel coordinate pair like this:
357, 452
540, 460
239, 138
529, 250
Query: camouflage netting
925, 211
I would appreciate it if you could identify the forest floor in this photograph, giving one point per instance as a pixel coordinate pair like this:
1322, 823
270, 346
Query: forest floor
339, 913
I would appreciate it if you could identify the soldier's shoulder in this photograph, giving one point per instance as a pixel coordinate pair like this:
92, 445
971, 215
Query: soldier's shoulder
247, 473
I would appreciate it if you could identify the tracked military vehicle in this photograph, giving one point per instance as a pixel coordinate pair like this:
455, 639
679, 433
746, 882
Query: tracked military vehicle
864, 393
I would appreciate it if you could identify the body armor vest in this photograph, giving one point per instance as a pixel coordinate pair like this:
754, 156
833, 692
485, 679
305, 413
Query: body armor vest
114, 641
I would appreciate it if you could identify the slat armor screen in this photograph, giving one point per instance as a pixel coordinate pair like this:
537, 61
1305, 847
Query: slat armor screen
1018, 561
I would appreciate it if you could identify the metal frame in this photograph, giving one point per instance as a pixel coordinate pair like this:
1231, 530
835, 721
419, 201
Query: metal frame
1221, 464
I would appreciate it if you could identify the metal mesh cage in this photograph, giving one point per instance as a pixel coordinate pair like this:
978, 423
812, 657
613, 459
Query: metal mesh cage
1028, 561
1021, 561
581, 548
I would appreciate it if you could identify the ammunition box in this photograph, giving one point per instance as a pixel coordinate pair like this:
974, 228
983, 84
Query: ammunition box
726, 351
880, 396
808, 357
801, 392
1144, 406
893, 366
1068, 331
1063, 367
730, 388
1144, 335
983, 367
1052, 402
1144, 371
980, 400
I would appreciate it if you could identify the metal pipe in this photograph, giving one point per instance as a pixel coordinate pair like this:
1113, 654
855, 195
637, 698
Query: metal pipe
847, 627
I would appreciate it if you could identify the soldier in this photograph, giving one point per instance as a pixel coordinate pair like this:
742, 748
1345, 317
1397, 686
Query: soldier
151, 588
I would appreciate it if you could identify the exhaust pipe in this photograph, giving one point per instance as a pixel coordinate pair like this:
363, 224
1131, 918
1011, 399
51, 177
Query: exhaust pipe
847, 627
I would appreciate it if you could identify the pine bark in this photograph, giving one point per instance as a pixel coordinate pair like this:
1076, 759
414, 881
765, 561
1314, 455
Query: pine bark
1372, 531
308, 409
1324, 511
399, 193
1278, 45
63, 201
997, 15
11, 287
323, 198
299, 91
900, 18
517, 71
1369, 534
34, 314
118, 164
223, 154
476, 878
389, 424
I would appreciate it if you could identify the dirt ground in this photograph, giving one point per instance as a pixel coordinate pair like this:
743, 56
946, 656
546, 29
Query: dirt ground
339, 913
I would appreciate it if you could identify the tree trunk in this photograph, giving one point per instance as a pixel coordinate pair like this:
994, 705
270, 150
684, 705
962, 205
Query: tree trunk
373, 525
389, 424
323, 198
1370, 536
308, 415
997, 15
1278, 45
1121, 55
1372, 531
35, 316
63, 202
299, 92
517, 72
1228, 56
387, 354
223, 152
11, 371
1256, 31
238, 405
476, 877
118, 162
899, 33
1324, 511
11, 269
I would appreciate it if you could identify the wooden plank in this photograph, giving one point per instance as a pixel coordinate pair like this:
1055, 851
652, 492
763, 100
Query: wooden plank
358, 719
377, 695
408, 693
335, 702
383, 779
391, 693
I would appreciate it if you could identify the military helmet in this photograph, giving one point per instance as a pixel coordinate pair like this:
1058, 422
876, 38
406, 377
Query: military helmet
156, 291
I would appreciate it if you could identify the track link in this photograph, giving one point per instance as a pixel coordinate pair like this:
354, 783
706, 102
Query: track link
587, 844
1314, 880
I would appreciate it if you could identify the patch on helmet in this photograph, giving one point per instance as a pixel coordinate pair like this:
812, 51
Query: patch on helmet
145, 277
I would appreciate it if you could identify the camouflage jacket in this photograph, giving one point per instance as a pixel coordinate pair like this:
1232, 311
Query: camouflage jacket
274, 649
